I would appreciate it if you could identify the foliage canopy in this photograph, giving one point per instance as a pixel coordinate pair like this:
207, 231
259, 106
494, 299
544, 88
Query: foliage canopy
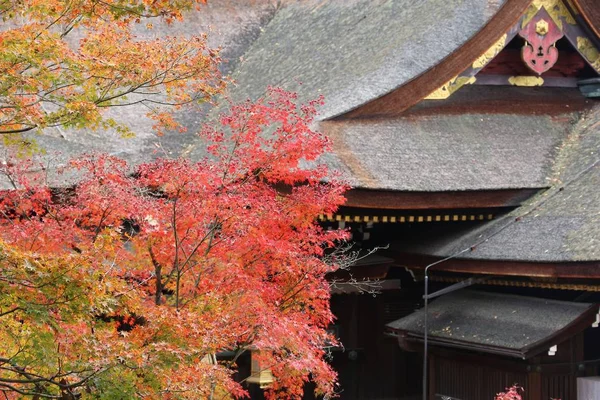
146, 274
63, 62
128, 284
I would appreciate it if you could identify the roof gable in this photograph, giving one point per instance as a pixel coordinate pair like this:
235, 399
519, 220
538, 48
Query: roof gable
588, 11
538, 27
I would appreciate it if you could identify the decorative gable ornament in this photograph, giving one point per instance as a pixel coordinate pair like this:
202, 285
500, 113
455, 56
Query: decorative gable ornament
541, 34
543, 24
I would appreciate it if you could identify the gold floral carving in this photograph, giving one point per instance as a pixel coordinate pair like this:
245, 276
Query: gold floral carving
589, 51
541, 28
490, 53
555, 8
526, 81
450, 87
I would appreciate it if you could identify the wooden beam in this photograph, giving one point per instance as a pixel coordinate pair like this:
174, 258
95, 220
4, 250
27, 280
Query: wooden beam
569, 270
365, 287
361, 273
358, 217
554, 284
507, 80
388, 200
589, 11
534, 385
517, 366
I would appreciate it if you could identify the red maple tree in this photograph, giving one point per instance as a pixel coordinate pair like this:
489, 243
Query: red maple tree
154, 269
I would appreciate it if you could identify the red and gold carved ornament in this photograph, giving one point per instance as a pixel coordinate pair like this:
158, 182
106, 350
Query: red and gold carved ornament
539, 52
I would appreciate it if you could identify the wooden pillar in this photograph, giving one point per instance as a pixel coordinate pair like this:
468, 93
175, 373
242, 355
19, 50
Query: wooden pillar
353, 344
578, 355
533, 390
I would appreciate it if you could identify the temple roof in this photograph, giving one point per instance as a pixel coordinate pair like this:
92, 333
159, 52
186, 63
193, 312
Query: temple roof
590, 12
436, 151
232, 25
478, 321
354, 51
559, 225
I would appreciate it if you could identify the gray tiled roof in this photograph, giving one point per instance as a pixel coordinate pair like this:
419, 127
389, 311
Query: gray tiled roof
493, 322
353, 51
560, 225
467, 151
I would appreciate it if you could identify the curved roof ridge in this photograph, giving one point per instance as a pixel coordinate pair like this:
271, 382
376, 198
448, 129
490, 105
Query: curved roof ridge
487, 39
356, 52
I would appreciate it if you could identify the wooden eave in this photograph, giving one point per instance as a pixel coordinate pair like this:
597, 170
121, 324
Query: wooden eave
393, 200
589, 11
560, 269
580, 285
